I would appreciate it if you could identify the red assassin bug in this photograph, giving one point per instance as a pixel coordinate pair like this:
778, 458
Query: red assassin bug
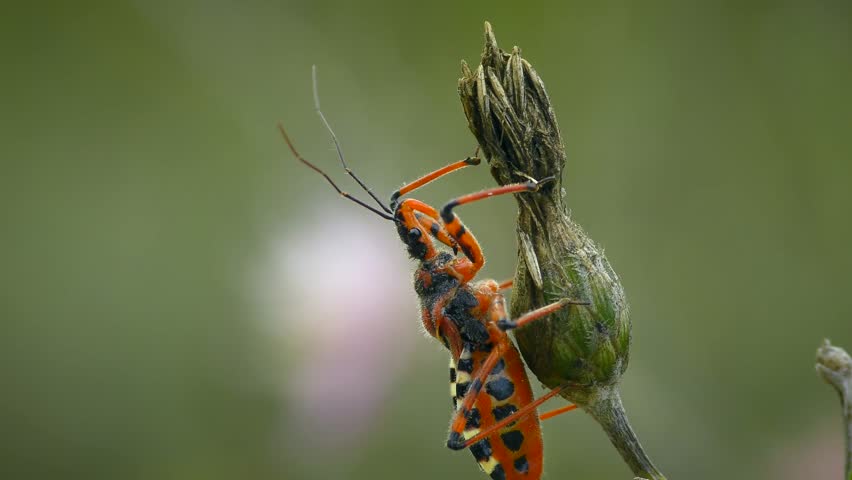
495, 413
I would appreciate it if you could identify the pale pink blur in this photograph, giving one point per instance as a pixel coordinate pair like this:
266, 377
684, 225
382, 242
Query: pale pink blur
339, 293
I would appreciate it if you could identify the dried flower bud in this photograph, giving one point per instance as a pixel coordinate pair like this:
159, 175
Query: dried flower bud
509, 113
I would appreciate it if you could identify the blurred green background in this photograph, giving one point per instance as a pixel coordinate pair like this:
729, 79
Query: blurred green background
182, 300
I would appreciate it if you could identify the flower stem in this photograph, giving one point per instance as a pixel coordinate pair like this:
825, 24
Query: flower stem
608, 411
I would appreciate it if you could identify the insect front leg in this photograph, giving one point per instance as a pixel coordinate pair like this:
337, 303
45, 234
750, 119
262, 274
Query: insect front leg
465, 239
437, 230
429, 177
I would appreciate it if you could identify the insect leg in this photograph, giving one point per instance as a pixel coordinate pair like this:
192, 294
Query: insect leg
536, 314
523, 412
474, 160
465, 239
506, 284
459, 420
419, 215
437, 230
556, 411
457, 441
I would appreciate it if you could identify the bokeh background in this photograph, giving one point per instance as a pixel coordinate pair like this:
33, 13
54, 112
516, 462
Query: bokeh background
182, 300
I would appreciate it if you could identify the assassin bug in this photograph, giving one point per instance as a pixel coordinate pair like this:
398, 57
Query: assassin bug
495, 414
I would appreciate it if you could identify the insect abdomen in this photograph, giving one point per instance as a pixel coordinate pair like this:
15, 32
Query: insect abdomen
514, 452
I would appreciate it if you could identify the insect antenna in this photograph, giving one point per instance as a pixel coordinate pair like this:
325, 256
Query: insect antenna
317, 169
337, 145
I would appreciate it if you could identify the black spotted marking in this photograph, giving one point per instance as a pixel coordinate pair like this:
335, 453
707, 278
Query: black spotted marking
462, 231
465, 365
476, 386
498, 367
500, 388
452, 375
503, 411
521, 464
435, 228
481, 450
513, 440
461, 389
498, 473
473, 419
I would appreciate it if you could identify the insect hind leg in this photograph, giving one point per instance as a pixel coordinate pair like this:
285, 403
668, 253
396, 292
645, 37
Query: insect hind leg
522, 413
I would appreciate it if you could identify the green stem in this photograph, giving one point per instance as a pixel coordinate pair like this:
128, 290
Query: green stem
608, 411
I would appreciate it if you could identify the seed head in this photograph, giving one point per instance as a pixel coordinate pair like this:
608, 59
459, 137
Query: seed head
509, 113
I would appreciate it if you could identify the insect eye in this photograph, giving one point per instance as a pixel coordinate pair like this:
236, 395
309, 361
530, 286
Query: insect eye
414, 233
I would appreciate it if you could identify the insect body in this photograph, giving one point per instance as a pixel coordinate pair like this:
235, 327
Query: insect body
488, 382
494, 411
